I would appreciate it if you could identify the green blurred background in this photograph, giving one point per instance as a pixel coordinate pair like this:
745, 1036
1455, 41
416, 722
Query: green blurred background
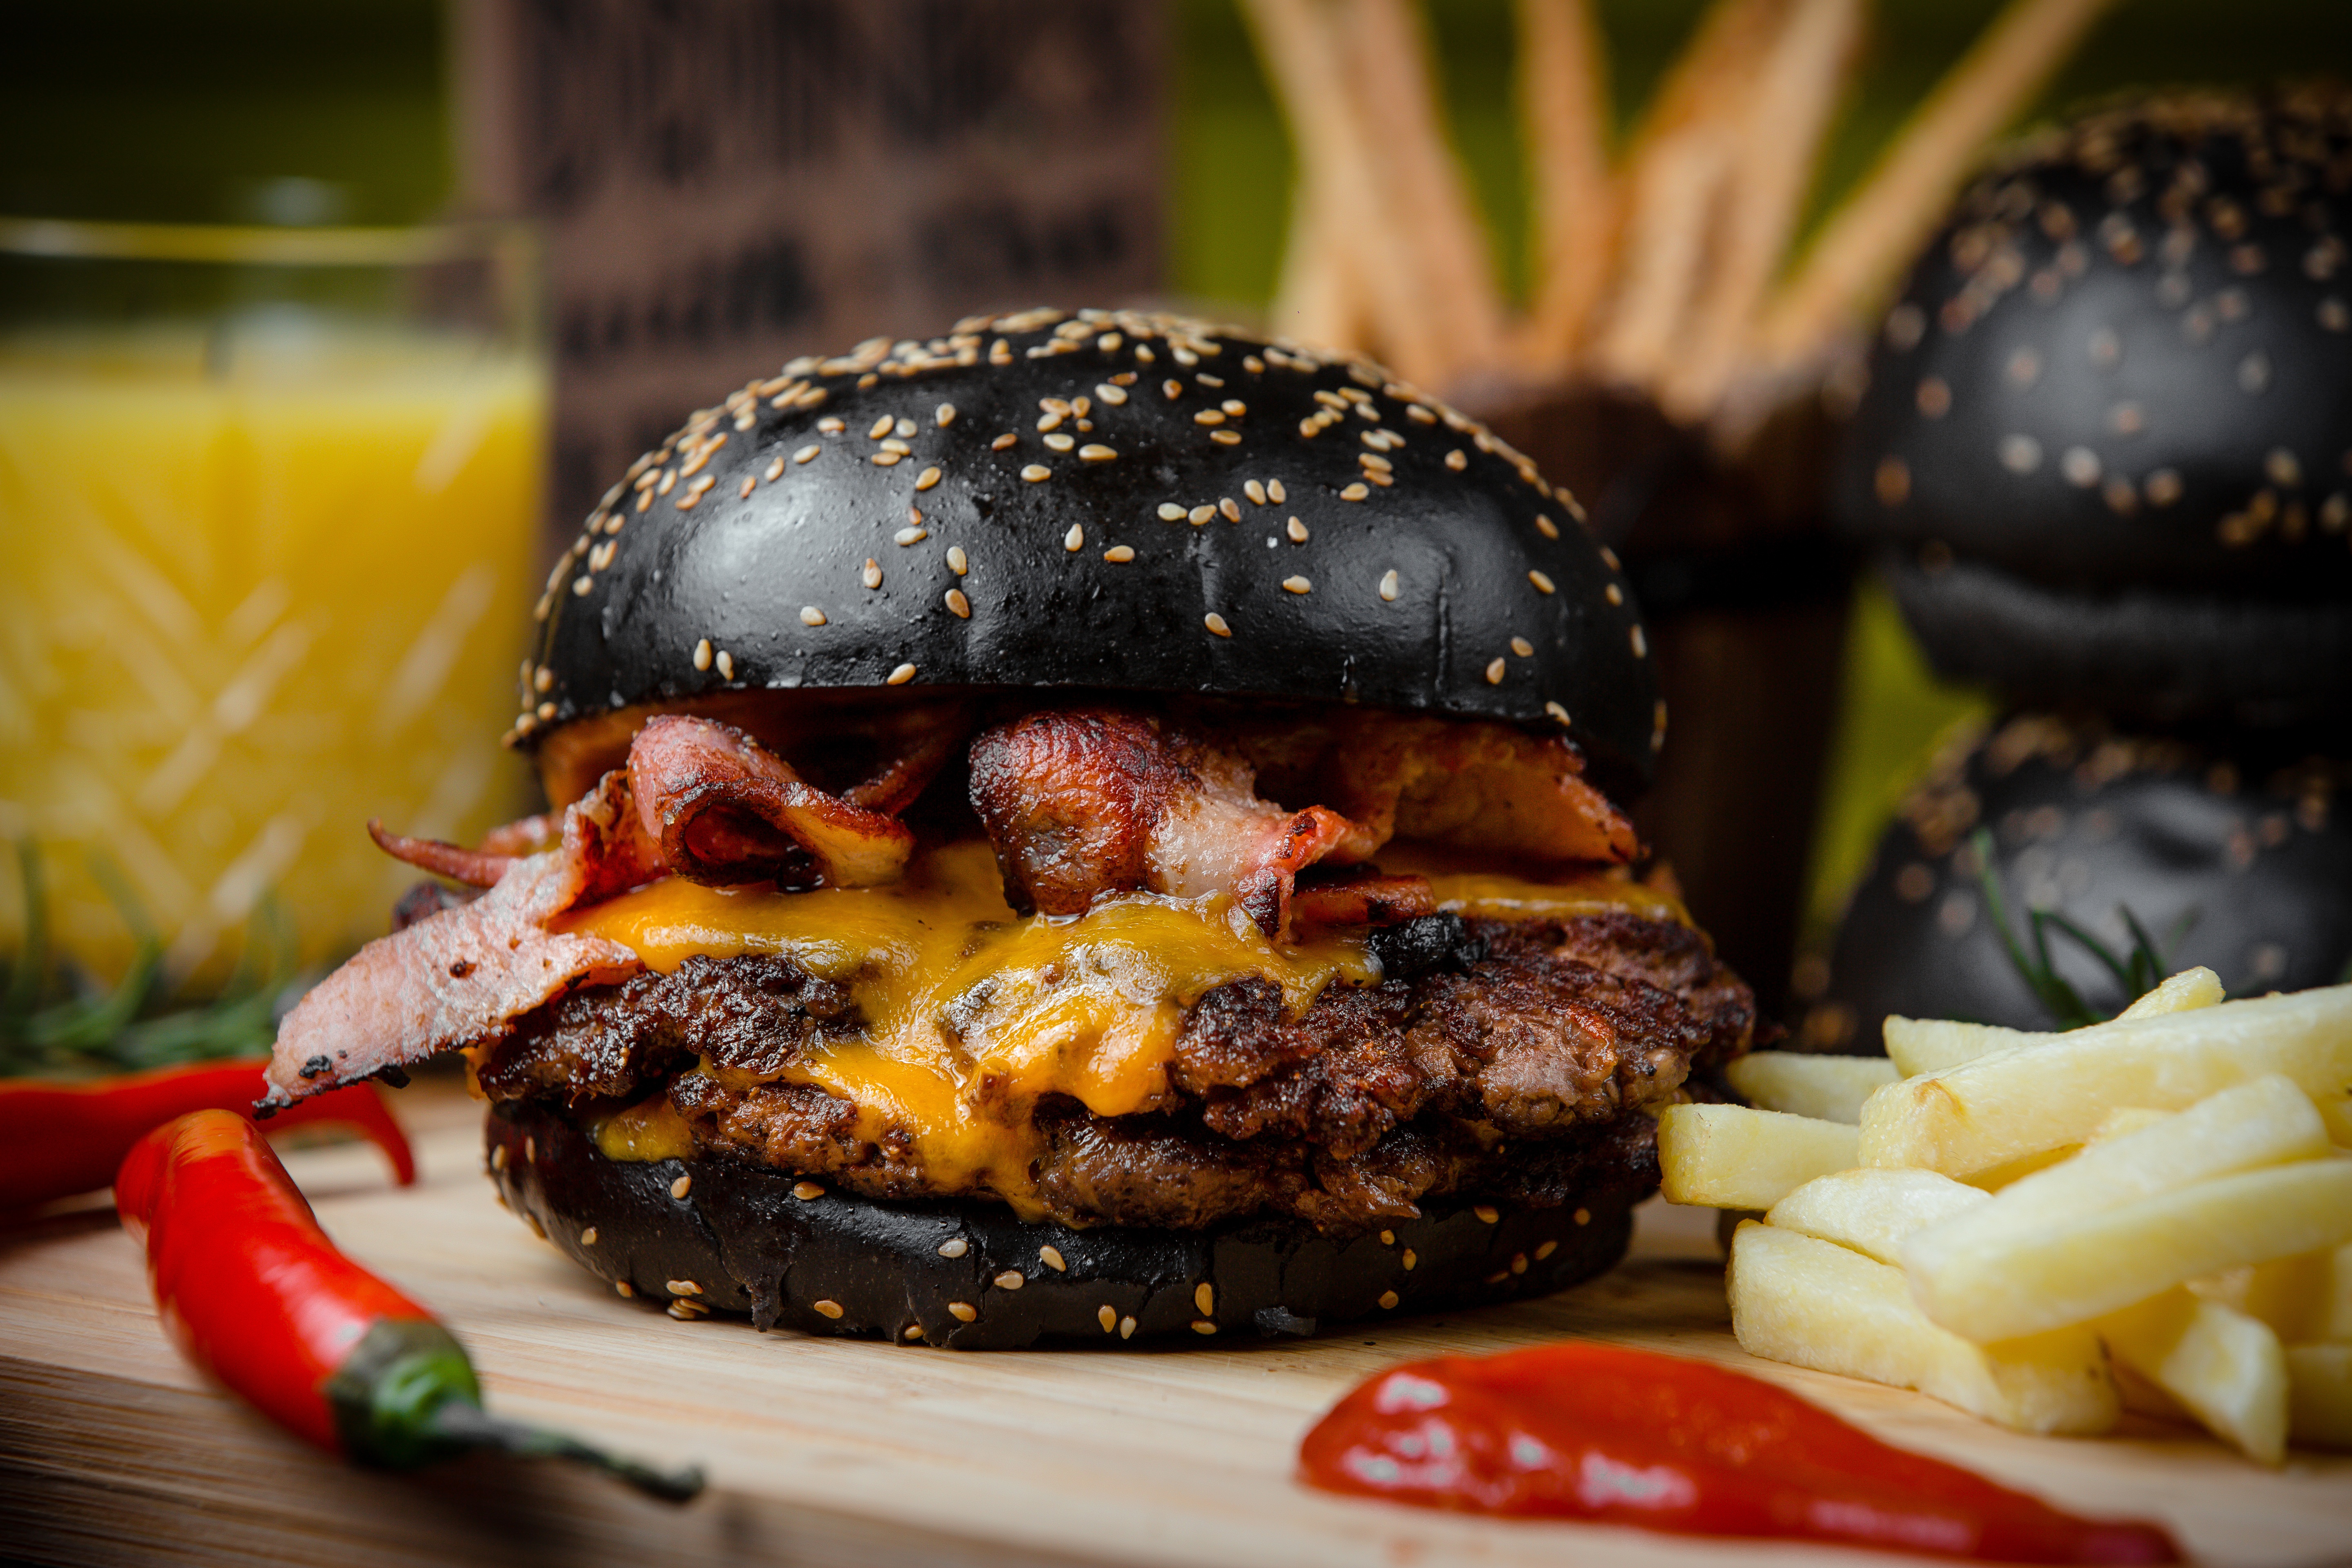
294, 111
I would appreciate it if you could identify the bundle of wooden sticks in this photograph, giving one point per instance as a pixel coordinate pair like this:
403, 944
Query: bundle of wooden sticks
1665, 270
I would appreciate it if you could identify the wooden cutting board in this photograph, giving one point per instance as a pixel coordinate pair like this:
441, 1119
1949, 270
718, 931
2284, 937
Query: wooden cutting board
827, 1451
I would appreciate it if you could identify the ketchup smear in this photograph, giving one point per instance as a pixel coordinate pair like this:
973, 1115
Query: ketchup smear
1627, 1436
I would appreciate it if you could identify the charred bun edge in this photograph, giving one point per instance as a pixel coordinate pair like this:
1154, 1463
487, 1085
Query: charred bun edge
2147, 653
943, 1273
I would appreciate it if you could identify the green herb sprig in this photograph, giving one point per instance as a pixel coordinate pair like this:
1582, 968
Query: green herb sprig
2140, 970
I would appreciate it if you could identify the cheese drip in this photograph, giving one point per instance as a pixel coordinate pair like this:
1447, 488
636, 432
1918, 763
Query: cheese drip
972, 1012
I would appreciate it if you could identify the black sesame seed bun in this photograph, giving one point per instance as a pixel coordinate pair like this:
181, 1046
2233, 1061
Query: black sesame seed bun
2125, 363
2248, 843
1040, 509
969, 1275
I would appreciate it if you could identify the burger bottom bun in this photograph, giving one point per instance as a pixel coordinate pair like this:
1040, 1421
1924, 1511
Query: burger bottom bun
737, 1239
2140, 652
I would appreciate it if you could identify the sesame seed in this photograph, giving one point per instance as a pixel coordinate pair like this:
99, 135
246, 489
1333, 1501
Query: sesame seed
1557, 711
1388, 1299
545, 678
546, 712
1254, 491
1201, 514
1204, 1299
900, 675
1409, 1258
1545, 1250
685, 1312
1202, 1326
1487, 1212
1543, 583
1232, 513
1061, 443
1075, 540
1170, 512
1523, 647
886, 459
588, 1236
1297, 531
1297, 585
811, 615
957, 562
580, 586
871, 573
1233, 405
912, 1330
807, 452
1095, 452
682, 1186
954, 1248
1108, 1318
1007, 440
906, 536
1640, 644
1172, 386
805, 1190
1050, 1256
927, 478
726, 664
1127, 1325
749, 484
882, 427
1547, 526
1389, 584
668, 482
1119, 554
1210, 416
959, 606
1114, 395
624, 1289
1375, 463
1036, 473
1011, 1280
1216, 623
683, 1288
776, 469
1613, 594
1276, 493
2081, 466
1355, 492
499, 1158
1582, 1216
946, 415
962, 1311
1496, 671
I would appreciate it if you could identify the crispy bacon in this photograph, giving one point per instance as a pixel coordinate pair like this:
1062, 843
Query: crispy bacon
1471, 785
1369, 901
475, 867
724, 809
1083, 802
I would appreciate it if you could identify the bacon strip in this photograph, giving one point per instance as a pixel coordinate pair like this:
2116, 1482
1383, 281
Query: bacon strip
724, 809
1088, 802
1372, 901
475, 867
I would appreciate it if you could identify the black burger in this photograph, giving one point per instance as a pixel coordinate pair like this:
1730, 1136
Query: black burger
1086, 827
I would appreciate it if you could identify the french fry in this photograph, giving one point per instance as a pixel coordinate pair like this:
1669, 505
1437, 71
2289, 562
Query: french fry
1731, 1157
2053, 1091
2304, 1299
2182, 993
2319, 1395
1930, 1045
1813, 1303
1831, 1088
2225, 1368
2336, 1110
1989, 1285
1872, 1211
1563, 90
2127, 1119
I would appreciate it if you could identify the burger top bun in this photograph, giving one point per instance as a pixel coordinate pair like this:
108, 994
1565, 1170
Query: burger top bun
1107, 499
2127, 359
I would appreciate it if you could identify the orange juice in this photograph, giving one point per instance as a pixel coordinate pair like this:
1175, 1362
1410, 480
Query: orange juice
249, 599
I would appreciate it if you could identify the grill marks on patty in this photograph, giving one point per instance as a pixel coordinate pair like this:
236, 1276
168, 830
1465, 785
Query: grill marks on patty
1523, 1077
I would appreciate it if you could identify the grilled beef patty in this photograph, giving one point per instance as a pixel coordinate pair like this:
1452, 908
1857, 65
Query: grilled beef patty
1515, 1061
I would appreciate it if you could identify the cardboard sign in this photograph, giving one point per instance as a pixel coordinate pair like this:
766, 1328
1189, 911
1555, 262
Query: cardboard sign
721, 184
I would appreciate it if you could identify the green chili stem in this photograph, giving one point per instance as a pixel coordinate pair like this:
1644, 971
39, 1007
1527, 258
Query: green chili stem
469, 1424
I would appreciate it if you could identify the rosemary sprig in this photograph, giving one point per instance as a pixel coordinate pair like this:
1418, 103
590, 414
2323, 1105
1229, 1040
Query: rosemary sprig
133, 1025
2137, 972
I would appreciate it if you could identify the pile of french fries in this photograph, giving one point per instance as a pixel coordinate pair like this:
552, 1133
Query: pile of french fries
2153, 1213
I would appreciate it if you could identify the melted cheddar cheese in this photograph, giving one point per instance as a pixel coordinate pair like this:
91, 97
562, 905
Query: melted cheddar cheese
972, 1012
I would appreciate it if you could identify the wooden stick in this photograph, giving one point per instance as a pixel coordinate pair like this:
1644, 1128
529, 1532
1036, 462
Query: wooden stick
1430, 225
1877, 230
1317, 299
1672, 187
1563, 90
1797, 90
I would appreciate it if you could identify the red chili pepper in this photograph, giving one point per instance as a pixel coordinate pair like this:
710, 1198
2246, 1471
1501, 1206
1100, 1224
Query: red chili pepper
60, 1138
1627, 1436
252, 1290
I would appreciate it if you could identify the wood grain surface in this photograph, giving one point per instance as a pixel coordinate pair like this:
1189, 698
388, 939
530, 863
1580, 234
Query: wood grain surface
828, 1451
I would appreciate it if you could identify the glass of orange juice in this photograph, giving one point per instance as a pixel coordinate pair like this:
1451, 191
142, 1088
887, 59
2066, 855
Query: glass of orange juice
267, 513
